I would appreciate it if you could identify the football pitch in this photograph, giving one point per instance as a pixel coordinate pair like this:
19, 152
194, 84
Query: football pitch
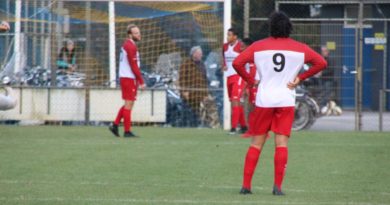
87, 165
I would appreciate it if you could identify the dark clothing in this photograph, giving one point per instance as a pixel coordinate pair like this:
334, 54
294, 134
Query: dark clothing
193, 79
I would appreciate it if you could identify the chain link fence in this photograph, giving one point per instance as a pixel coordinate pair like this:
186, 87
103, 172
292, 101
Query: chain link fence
352, 36
58, 57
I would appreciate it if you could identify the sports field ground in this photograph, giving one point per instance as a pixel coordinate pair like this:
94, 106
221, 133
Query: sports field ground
87, 165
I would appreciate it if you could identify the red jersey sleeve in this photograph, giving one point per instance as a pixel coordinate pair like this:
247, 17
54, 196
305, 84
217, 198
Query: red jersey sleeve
239, 65
131, 51
317, 62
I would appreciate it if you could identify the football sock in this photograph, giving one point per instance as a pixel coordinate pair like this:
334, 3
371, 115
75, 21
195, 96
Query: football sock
127, 119
235, 116
280, 162
251, 159
119, 116
242, 117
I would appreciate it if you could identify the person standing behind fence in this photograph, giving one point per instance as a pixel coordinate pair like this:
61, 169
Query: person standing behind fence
278, 60
67, 58
4, 27
193, 81
328, 87
7, 100
235, 84
130, 78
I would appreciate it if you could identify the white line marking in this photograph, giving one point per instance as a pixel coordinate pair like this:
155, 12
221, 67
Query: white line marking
192, 186
178, 201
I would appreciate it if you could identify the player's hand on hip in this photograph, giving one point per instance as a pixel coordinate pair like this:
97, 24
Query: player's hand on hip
142, 86
295, 83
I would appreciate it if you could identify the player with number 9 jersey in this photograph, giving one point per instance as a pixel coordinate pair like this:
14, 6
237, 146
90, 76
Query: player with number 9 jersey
278, 60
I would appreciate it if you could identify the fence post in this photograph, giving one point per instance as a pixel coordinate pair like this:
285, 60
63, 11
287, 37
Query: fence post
17, 45
359, 71
111, 19
227, 14
246, 18
381, 95
87, 102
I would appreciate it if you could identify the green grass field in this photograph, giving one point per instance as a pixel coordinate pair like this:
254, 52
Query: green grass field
86, 165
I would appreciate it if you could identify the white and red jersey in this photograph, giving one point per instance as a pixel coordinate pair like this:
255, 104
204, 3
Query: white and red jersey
129, 62
278, 61
230, 52
251, 69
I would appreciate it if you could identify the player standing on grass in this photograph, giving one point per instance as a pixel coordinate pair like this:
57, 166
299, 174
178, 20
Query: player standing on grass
235, 84
278, 59
130, 78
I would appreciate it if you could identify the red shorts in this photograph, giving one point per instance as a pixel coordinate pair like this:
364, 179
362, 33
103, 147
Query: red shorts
252, 95
129, 88
235, 86
276, 119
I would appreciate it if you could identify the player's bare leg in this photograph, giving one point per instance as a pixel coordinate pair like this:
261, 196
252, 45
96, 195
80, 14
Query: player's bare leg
251, 159
280, 162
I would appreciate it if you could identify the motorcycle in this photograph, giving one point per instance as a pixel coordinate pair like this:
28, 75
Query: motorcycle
306, 110
176, 110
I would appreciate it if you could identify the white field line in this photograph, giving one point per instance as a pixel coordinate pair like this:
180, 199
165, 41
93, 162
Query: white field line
177, 201
179, 143
203, 186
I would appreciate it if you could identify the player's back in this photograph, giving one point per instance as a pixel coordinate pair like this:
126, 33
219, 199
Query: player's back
278, 61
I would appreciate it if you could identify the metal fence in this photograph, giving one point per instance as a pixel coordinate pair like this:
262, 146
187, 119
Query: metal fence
32, 52
352, 36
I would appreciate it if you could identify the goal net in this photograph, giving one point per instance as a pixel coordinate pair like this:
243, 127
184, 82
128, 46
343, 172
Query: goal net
172, 34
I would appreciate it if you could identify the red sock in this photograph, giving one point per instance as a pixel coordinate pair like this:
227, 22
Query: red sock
119, 116
252, 156
235, 116
127, 119
280, 162
242, 117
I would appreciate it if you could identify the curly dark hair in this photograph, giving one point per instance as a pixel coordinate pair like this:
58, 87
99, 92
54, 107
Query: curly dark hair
280, 25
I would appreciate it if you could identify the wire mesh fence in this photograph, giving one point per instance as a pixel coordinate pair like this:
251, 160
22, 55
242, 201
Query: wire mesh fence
66, 44
352, 37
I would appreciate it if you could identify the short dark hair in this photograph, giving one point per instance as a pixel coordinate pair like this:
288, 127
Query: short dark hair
234, 31
247, 41
280, 25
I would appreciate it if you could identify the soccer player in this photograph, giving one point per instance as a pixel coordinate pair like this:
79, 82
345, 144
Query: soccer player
251, 90
251, 68
235, 84
278, 59
130, 78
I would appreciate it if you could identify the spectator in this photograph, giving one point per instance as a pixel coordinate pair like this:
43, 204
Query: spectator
193, 81
7, 100
67, 58
4, 27
328, 87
